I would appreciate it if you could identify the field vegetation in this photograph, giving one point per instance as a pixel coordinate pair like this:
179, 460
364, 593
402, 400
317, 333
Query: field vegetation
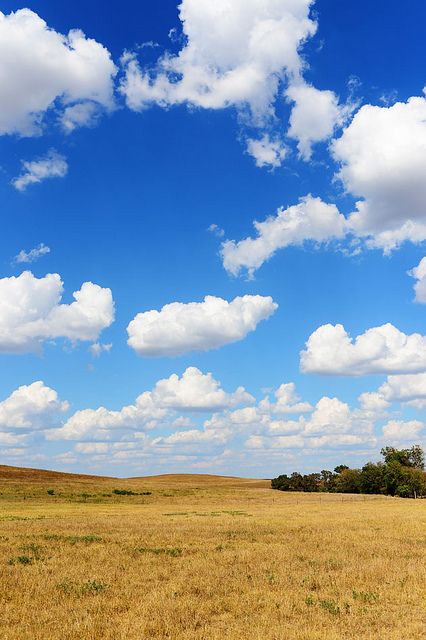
204, 557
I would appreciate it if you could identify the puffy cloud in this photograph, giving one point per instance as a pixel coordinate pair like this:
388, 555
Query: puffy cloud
382, 154
331, 415
98, 423
196, 391
193, 391
410, 389
53, 165
419, 273
287, 401
41, 69
314, 116
32, 255
373, 402
31, 407
309, 220
266, 151
30, 312
235, 54
197, 326
385, 349
399, 430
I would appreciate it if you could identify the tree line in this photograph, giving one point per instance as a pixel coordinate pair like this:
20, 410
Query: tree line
401, 473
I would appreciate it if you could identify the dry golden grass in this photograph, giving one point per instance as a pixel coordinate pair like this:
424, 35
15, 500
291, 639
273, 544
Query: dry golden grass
203, 557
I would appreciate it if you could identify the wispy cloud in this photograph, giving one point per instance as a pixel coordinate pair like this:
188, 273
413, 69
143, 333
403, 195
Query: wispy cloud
53, 165
32, 255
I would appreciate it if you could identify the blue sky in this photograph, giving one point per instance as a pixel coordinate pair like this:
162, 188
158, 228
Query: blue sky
124, 199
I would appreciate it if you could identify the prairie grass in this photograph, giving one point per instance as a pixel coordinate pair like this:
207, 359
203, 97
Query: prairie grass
206, 558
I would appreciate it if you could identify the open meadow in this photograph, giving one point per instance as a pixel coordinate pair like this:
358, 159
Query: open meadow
205, 557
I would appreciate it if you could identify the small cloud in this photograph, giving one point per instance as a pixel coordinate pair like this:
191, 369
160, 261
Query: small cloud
97, 348
217, 231
53, 165
267, 152
32, 255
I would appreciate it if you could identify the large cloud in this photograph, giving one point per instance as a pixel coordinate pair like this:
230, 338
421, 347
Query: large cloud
193, 391
309, 220
384, 349
197, 326
235, 54
31, 407
382, 154
40, 68
30, 312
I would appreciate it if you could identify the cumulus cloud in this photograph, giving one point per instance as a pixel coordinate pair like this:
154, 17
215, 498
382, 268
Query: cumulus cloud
235, 54
287, 401
400, 430
41, 69
419, 274
32, 255
31, 407
267, 151
385, 349
309, 220
382, 155
196, 391
31, 313
197, 326
53, 165
193, 391
409, 389
314, 116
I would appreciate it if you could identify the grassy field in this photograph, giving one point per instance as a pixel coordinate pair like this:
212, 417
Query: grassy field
204, 557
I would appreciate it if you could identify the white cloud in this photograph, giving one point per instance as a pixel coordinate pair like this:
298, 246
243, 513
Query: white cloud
216, 230
314, 116
41, 69
31, 313
197, 326
309, 220
280, 442
84, 114
196, 391
384, 349
287, 401
53, 165
92, 447
31, 407
410, 389
373, 402
399, 430
331, 415
32, 255
382, 155
419, 273
97, 349
235, 54
266, 151
193, 391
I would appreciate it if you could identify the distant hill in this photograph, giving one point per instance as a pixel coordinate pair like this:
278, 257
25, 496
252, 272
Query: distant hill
24, 474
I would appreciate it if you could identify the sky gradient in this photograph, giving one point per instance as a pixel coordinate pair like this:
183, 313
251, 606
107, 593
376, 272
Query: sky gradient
140, 142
